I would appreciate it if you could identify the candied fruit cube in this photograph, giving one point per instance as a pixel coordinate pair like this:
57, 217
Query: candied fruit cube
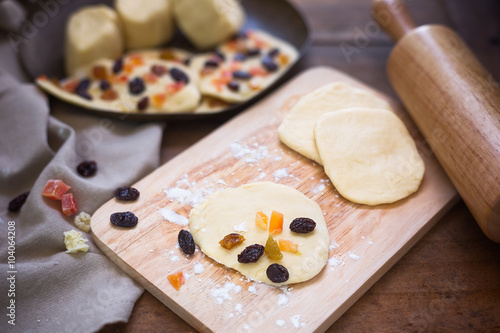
276, 222
261, 220
69, 205
54, 189
176, 279
288, 246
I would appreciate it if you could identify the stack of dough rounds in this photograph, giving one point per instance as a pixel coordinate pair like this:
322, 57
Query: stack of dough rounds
234, 209
146, 23
93, 32
207, 23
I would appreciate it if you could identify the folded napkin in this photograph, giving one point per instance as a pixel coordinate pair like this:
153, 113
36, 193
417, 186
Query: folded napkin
55, 291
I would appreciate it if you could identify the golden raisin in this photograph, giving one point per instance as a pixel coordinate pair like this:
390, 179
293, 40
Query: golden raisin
231, 240
99, 72
272, 249
109, 95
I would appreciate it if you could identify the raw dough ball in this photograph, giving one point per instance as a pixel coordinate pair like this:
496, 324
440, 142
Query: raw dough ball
92, 33
207, 23
233, 210
369, 155
297, 128
146, 23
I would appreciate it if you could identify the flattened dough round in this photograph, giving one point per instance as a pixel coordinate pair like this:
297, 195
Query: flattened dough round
297, 128
369, 155
218, 215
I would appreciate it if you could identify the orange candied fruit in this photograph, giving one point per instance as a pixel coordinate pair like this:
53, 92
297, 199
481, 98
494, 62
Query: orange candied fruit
288, 246
158, 100
150, 78
109, 95
70, 86
276, 222
261, 220
174, 87
99, 72
283, 59
176, 279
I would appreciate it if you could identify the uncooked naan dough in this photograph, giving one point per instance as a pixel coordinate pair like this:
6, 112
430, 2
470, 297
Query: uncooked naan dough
233, 210
368, 155
297, 128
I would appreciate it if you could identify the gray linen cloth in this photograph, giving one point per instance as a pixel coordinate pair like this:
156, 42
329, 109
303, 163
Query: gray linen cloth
55, 291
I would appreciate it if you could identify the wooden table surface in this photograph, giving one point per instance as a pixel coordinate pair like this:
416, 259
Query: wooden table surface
450, 280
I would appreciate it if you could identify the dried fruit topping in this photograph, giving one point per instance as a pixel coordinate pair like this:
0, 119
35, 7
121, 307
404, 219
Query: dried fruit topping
276, 222
69, 205
82, 89
283, 59
143, 104
136, 86
241, 75
261, 220
253, 52
158, 100
99, 72
178, 75
16, 203
186, 242
302, 225
288, 246
269, 64
211, 63
167, 55
233, 86
87, 168
104, 85
219, 55
118, 66
187, 61
277, 273
54, 189
176, 279
109, 95
231, 240
239, 57
124, 219
159, 70
272, 249
273, 52
251, 254
126, 193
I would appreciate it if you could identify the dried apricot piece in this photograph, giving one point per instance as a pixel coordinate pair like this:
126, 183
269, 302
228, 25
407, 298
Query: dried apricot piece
288, 246
176, 279
272, 249
276, 222
54, 189
231, 240
261, 220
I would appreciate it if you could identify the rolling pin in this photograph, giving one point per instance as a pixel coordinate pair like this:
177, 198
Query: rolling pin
454, 102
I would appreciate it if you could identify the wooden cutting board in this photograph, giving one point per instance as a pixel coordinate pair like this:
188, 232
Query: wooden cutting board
365, 241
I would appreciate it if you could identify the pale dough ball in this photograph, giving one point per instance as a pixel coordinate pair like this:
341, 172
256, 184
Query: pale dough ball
233, 210
369, 155
297, 128
92, 33
146, 23
207, 23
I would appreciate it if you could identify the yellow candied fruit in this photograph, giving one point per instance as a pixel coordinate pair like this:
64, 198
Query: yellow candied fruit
272, 249
261, 220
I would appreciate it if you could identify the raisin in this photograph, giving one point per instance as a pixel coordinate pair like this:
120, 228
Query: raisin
277, 273
269, 64
143, 104
273, 52
272, 249
187, 61
82, 89
104, 85
233, 86
179, 76
302, 225
231, 240
124, 219
118, 66
186, 242
220, 55
16, 203
126, 193
242, 75
239, 57
251, 253
253, 52
159, 70
136, 86
87, 168
211, 63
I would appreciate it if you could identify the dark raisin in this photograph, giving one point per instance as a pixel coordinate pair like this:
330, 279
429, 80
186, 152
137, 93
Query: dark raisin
211, 63
220, 55
118, 66
124, 219
277, 273
233, 86
136, 86
126, 193
16, 203
239, 57
159, 70
104, 85
82, 89
187, 61
143, 104
251, 253
186, 242
253, 52
269, 64
87, 168
302, 225
179, 76
273, 52
241, 35
242, 75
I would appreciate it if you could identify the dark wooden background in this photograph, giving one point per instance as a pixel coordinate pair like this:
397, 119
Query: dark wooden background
450, 280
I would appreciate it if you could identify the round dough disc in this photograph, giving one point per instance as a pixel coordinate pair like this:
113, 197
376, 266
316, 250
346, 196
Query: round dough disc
369, 155
233, 210
297, 128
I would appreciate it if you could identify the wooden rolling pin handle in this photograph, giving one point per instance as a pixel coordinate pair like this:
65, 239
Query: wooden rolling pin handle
393, 17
